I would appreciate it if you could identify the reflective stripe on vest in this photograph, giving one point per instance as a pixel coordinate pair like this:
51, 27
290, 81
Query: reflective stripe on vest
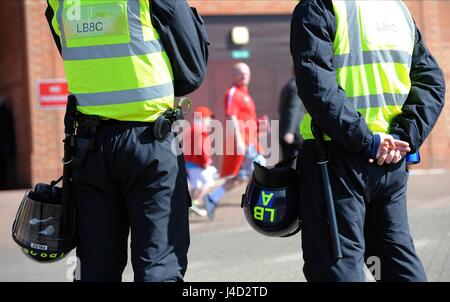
373, 49
114, 60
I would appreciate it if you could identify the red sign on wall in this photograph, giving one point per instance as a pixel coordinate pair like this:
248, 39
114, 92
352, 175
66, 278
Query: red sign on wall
52, 93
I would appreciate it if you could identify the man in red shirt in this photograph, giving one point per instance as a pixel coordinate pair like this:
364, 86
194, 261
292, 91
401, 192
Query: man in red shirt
241, 135
197, 154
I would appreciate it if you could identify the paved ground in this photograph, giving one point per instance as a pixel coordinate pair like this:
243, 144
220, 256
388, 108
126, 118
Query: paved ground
228, 250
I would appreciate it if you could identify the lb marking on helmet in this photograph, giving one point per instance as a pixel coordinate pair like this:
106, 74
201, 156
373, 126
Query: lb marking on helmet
271, 202
266, 198
259, 211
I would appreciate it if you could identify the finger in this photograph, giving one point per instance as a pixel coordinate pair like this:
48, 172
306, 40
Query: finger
382, 158
400, 143
390, 141
403, 149
397, 157
382, 149
390, 156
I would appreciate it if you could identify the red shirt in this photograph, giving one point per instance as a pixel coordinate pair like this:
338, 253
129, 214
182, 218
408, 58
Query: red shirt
199, 150
239, 102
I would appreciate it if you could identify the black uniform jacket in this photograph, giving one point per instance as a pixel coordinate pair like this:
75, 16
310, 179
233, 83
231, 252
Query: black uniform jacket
313, 29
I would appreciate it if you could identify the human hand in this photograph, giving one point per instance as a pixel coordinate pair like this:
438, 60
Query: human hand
288, 138
390, 150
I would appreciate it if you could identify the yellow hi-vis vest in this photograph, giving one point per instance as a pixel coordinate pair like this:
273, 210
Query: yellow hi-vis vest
373, 49
114, 61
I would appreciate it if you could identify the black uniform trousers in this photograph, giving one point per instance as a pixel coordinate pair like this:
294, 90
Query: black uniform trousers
371, 211
131, 181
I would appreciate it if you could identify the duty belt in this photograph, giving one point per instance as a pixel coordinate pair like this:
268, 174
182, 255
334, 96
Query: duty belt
86, 129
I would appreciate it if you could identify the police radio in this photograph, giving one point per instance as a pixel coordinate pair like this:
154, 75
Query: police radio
163, 123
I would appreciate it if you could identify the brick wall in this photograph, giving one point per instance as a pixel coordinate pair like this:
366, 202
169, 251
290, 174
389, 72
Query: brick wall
41, 131
246, 7
47, 126
432, 19
13, 85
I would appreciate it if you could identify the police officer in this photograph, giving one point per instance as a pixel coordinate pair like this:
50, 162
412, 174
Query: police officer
118, 70
370, 84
